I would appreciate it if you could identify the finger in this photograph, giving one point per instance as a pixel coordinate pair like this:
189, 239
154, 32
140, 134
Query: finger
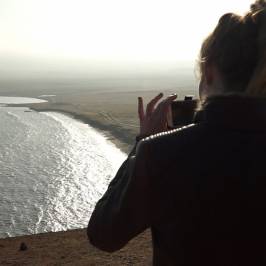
140, 108
159, 117
164, 106
168, 102
164, 115
152, 103
172, 97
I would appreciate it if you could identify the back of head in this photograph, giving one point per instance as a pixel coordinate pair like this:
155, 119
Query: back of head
257, 83
237, 47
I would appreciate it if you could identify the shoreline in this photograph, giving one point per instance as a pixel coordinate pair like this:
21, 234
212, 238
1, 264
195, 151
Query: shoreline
72, 247
105, 134
120, 141
122, 136
113, 113
119, 136
116, 138
119, 124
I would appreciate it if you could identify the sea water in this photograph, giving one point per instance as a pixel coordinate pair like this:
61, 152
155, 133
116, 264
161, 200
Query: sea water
53, 169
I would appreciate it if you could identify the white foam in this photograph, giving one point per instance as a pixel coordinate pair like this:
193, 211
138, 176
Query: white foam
47, 95
19, 100
106, 146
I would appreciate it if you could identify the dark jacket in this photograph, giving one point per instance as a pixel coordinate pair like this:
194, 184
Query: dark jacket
201, 189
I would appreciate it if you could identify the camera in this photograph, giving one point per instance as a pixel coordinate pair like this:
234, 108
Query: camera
182, 112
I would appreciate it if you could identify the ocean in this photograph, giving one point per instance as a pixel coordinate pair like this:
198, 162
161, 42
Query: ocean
53, 169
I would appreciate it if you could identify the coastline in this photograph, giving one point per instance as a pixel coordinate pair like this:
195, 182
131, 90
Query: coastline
113, 113
122, 136
120, 140
72, 247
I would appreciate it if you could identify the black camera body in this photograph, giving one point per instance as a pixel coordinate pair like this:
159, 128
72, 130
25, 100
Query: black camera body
182, 112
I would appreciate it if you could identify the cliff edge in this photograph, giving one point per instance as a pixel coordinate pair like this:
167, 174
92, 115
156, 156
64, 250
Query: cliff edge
71, 248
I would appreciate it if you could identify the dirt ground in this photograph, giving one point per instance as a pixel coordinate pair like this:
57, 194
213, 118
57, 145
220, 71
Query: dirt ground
72, 248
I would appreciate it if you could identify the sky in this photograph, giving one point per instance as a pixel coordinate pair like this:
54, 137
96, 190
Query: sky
47, 34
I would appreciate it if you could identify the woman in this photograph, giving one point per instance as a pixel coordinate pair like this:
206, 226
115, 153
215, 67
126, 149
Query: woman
202, 188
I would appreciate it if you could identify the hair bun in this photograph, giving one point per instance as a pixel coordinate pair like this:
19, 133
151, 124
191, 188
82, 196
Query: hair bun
258, 5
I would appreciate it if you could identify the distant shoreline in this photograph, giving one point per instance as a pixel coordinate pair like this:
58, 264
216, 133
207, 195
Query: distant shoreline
120, 140
113, 133
113, 113
118, 134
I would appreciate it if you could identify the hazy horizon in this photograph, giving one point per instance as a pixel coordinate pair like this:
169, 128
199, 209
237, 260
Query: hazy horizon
105, 38
22, 67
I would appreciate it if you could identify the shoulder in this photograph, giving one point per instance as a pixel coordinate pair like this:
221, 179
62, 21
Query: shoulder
178, 144
173, 136
172, 144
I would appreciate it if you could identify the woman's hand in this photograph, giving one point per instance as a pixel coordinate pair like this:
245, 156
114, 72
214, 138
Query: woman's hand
155, 119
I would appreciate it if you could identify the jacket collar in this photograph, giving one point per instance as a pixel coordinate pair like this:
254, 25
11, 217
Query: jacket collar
234, 112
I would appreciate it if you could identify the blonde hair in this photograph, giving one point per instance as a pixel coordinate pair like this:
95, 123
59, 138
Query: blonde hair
237, 47
257, 83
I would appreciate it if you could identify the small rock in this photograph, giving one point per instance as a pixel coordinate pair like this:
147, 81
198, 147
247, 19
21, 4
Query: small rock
23, 246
